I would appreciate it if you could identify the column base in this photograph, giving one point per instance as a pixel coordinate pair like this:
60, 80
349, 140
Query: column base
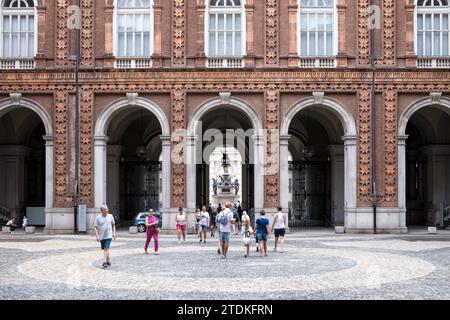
60, 220
389, 220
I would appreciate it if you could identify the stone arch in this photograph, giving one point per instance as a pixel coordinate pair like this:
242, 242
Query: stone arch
101, 139
225, 100
350, 151
16, 102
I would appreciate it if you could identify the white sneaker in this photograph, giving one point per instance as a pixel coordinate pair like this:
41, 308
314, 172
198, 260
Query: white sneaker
179, 242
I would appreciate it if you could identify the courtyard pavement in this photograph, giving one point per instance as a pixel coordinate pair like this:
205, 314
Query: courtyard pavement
316, 264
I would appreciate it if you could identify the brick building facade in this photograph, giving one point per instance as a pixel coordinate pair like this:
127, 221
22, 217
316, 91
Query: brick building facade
313, 96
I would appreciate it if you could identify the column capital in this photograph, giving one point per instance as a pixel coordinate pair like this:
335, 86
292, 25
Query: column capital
284, 140
101, 140
349, 140
166, 140
402, 140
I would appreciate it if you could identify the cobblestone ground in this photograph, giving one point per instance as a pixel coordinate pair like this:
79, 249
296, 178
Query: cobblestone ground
315, 265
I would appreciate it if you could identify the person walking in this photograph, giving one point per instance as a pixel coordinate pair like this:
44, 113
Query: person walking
247, 232
226, 221
203, 224
181, 220
236, 219
105, 231
279, 226
213, 224
197, 220
262, 229
151, 221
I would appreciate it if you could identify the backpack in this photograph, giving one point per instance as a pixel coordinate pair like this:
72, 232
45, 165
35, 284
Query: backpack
224, 220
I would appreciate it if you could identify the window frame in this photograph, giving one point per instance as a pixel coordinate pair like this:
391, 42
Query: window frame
431, 10
19, 12
226, 10
130, 11
318, 10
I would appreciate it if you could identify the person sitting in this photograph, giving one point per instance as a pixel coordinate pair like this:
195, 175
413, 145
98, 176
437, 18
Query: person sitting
11, 224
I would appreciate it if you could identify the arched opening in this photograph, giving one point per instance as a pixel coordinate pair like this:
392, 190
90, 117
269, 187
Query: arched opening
23, 166
225, 121
226, 127
133, 160
317, 158
318, 164
132, 157
427, 167
225, 177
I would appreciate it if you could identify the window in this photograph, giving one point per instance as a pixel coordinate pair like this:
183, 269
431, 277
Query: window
225, 22
317, 34
18, 29
134, 25
432, 28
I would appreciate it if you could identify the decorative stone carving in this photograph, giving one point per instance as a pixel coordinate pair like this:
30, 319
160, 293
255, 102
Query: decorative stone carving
178, 170
61, 176
390, 146
435, 97
86, 154
225, 97
272, 32
179, 33
15, 98
87, 33
365, 162
132, 98
318, 97
62, 33
272, 197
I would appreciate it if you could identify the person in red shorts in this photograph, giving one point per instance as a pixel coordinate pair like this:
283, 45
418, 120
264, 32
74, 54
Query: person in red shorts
181, 220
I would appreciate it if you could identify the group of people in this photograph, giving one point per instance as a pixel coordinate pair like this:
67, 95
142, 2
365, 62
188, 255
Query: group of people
226, 221
12, 224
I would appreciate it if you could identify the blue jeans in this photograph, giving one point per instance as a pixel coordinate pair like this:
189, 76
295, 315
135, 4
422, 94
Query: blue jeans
262, 237
106, 244
225, 236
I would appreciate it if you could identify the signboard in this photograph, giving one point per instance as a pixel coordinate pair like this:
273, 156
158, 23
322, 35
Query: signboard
82, 218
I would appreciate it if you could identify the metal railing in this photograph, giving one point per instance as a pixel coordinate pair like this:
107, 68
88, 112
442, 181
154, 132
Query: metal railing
5, 213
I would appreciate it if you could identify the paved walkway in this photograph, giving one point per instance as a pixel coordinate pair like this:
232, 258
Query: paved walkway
316, 264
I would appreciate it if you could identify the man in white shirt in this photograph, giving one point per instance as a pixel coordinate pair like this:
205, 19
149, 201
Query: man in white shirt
203, 224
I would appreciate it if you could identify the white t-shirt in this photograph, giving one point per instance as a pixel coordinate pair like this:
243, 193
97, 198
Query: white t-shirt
204, 216
181, 219
225, 228
279, 222
247, 235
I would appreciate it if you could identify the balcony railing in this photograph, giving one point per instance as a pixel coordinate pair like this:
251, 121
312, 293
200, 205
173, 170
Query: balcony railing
133, 63
16, 64
433, 62
317, 62
225, 62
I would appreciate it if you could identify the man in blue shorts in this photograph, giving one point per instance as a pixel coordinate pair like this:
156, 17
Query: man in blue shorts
105, 230
262, 229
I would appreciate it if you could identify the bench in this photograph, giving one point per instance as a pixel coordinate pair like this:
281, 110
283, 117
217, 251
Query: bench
339, 230
30, 230
6, 229
133, 230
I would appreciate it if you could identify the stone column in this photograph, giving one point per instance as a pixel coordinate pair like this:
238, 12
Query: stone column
157, 34
293, 34
200, 58
191, 173
42, 31
284, 172
259, 152
438, 179
166, 166
350, 171
337, 182
249, 23
100, 148
49, 173
401, 140
109, 30
113, 177
410, 55
342, 50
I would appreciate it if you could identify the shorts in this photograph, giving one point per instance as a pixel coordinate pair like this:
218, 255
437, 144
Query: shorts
203, 227
225, 236
280, 232
181, 227
246, 241
106, 244
262, 237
